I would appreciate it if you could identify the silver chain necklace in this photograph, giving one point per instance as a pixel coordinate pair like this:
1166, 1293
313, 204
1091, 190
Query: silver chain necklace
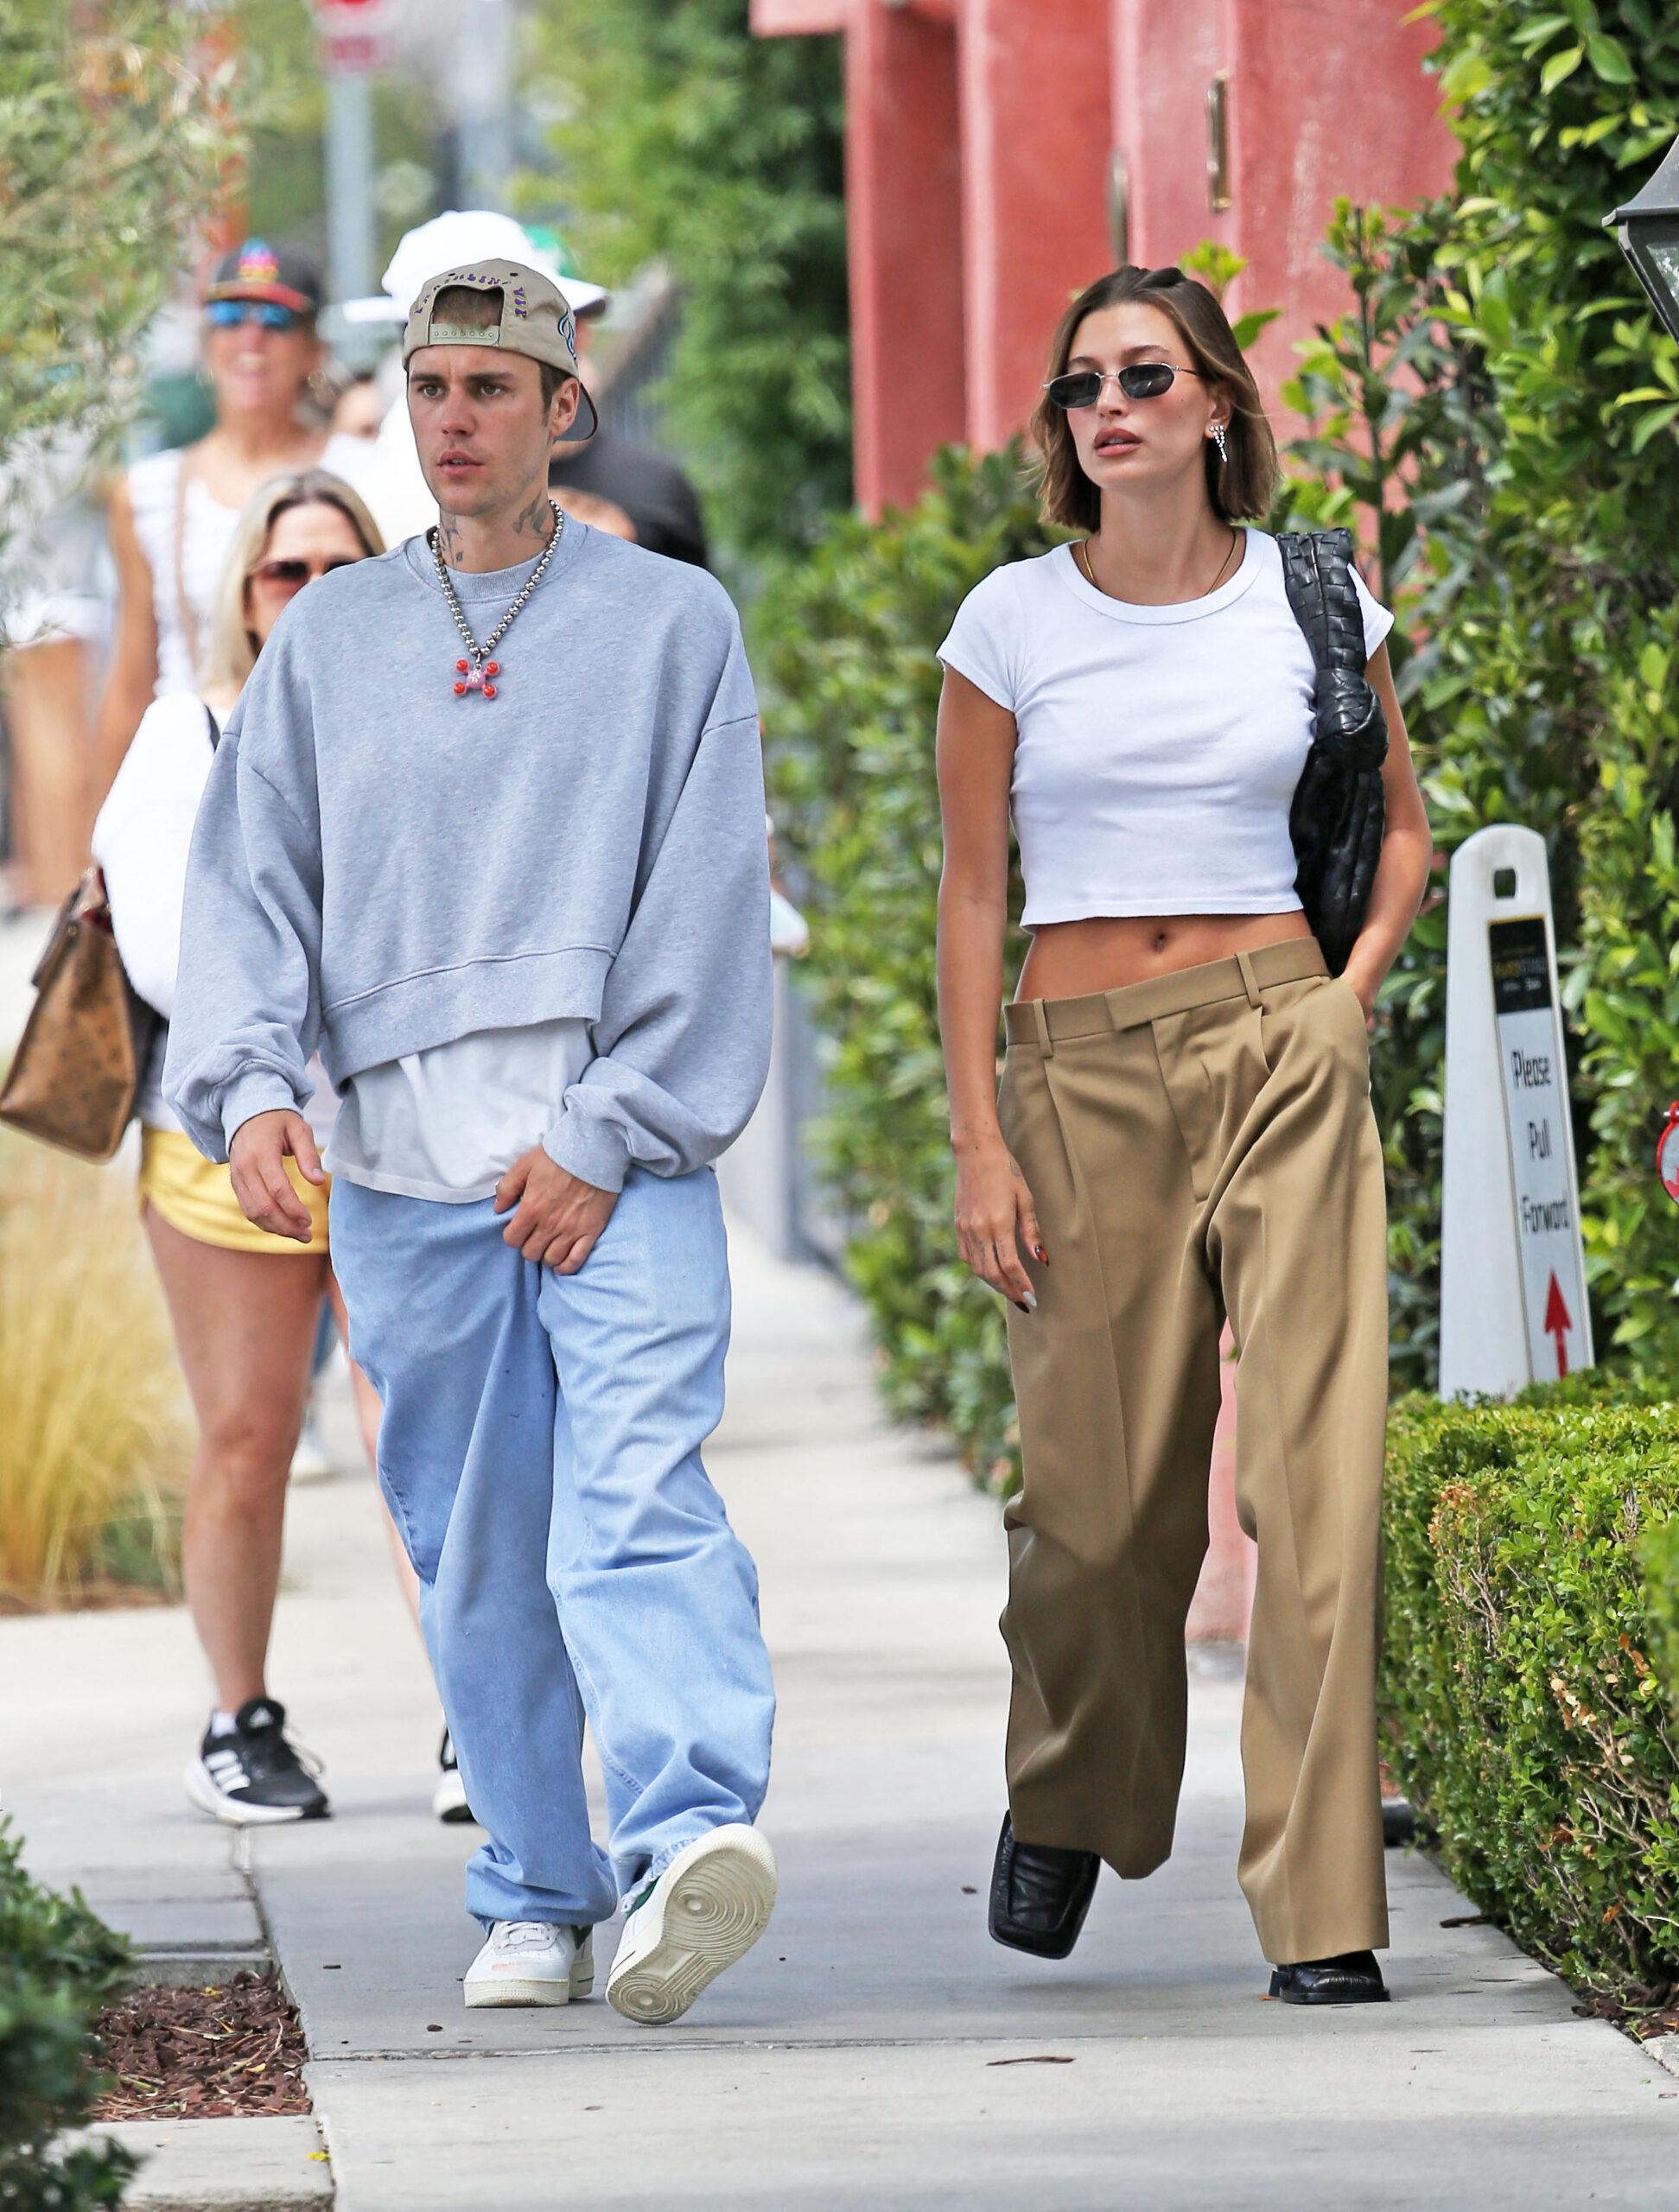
476, 671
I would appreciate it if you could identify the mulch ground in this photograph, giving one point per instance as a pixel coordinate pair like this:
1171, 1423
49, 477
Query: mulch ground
224, 2051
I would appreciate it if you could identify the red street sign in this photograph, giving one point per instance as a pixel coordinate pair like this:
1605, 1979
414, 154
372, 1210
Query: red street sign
1667, 1153
1557, 1324
353, 33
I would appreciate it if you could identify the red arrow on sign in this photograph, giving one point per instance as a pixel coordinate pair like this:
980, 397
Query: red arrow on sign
1557, 1322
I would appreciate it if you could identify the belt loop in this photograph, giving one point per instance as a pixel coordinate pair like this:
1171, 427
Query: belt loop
1249, 982
1045, 1043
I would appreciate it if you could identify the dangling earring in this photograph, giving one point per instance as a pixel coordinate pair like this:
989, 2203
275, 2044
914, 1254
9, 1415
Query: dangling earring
1222, 442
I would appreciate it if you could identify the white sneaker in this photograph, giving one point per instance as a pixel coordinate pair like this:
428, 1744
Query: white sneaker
706, 1909
529, 1962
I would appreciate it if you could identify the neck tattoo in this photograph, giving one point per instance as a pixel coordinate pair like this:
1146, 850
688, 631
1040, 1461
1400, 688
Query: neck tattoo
478, 671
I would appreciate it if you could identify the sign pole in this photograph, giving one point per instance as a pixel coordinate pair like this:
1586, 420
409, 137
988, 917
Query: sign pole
354, 48
1513, 1307
350, 211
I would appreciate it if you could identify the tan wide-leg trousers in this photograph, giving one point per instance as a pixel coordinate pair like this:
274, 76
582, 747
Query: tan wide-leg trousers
1199, 1146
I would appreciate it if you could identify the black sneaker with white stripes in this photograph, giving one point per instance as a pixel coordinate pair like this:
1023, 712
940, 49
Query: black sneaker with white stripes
255, 1774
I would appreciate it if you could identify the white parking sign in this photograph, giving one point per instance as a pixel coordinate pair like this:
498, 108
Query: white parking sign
1535, 1107
1512, 1292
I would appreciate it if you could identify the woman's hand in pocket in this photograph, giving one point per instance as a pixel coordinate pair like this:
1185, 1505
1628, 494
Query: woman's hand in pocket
994, 1218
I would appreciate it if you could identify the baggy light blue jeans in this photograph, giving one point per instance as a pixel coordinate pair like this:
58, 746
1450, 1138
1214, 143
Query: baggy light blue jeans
540, 1449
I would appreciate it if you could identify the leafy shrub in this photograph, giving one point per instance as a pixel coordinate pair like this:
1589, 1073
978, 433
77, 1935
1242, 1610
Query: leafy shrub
59, 1965
1497, 417
93, 1437
847, 644
1661, 1555
1523, 1712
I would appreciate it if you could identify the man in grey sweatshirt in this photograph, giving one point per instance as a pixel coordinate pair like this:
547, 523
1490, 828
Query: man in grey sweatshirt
485, 830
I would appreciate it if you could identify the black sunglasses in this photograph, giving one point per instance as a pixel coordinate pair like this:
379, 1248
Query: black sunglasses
1137, 380
292, 576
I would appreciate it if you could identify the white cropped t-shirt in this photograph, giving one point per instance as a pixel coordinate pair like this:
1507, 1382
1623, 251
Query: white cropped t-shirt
1157, 747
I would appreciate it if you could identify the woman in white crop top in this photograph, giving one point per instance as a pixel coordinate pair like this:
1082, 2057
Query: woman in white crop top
1183, 1138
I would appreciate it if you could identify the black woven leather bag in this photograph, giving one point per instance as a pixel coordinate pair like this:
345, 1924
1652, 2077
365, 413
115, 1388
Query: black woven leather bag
1337, 817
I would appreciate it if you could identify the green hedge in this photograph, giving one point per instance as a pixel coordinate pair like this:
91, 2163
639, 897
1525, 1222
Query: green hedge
1523, 1711
59, 1965
1660, 1553
846, 642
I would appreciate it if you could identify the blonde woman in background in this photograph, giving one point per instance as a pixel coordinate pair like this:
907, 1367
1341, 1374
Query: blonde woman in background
245, 1305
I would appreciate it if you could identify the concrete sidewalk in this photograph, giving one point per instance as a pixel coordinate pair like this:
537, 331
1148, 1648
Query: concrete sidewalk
875, 2050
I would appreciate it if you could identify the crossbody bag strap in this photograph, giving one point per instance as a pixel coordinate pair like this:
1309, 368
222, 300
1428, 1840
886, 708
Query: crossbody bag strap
183, 607
1317, 574
1302, 579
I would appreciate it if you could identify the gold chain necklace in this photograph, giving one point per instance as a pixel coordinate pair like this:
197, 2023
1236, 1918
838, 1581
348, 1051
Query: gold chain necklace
1084, 547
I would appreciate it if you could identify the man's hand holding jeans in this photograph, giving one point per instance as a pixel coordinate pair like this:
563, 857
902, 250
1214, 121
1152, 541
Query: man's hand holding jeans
558, 1218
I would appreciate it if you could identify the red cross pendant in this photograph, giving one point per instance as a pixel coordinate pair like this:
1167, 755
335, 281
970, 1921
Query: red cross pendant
468, 678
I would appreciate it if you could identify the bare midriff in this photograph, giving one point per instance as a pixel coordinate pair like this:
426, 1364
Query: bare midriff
1069, 960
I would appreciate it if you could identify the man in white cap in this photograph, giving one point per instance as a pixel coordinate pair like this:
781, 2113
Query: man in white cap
486, 829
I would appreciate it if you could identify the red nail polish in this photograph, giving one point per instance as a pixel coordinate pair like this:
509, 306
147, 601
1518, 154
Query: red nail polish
1043, 1255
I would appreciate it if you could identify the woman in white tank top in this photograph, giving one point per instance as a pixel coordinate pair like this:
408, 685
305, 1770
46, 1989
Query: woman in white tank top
172, 517
1183, 1136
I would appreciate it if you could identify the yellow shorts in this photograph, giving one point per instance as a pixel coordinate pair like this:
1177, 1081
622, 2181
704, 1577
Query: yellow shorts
196, 1196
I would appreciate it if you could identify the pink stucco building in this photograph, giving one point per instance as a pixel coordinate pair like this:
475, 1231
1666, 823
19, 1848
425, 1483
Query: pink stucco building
1001, 153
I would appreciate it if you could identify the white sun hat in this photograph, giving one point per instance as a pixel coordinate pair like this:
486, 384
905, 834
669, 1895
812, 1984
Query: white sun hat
462, 235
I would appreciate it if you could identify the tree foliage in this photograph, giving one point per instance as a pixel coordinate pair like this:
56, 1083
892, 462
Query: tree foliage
688, 139
117, 134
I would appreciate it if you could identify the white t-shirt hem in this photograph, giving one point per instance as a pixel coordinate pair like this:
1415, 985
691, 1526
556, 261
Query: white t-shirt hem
1101, 907
408, 1186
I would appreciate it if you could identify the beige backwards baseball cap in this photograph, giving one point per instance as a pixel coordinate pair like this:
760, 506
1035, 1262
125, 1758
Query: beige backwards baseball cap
536, 320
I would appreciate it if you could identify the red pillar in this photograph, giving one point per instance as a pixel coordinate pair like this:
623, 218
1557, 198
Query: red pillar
1036, 135
1363, 122
904, 225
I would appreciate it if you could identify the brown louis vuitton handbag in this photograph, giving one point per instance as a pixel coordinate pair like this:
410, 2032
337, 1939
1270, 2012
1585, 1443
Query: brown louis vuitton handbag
76, 1073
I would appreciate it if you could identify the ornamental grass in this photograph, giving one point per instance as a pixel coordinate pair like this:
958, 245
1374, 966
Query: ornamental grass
93, 1436
1526, 1699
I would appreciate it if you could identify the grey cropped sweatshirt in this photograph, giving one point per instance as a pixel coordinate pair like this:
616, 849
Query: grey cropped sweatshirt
379, 866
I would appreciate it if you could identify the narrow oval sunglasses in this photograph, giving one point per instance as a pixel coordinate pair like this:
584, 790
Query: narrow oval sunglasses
1137, 380
270, 314
292, 576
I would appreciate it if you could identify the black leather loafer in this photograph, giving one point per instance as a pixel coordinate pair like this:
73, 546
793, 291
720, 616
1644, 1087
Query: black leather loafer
1354, 1978
1039, 1895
